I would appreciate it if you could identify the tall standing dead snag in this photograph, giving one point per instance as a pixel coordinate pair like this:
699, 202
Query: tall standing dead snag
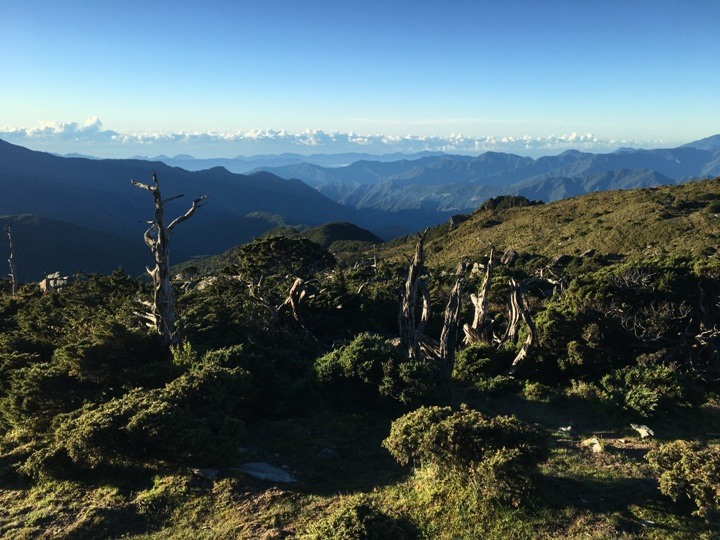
161, 316
480, 326
409, 331
11, 258
449, 334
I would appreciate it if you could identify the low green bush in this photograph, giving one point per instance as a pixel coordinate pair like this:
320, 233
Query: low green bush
500, 454
371, 368
535, 391
359, 519
646, 389
689, 471
192, 419
483, 366
480, 360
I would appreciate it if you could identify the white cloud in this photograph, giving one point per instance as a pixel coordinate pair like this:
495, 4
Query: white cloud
90, 137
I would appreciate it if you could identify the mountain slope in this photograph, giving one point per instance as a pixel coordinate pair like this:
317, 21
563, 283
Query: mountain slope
97, 194
46, 246
676, 220
441, 182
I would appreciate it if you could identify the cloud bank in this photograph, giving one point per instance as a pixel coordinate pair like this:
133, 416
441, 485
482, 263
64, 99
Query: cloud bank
92, 138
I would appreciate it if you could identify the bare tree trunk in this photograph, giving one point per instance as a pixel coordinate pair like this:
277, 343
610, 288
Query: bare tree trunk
474, 332
517, 311
515, 307
157, 238
425, 313
480, 301
11, 259
406, 318
297, 293
449, 333
529, 340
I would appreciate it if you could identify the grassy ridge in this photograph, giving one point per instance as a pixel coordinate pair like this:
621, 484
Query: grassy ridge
672, 220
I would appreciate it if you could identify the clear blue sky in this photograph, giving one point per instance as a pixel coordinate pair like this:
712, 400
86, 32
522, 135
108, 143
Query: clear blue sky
641, 70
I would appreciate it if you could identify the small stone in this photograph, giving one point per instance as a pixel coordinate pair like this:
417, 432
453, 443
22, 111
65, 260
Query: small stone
594, 444
643, 430
265, 471
207, 474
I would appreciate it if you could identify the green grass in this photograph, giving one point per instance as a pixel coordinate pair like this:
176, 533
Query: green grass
581, 494
669, 220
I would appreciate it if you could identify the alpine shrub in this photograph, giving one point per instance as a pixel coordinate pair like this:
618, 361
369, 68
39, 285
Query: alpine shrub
360, 519
500, 454
689, 471
369, 368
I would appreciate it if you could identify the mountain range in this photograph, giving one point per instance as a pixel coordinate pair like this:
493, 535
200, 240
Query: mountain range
84, 214
456, 183
245, 164
88, 207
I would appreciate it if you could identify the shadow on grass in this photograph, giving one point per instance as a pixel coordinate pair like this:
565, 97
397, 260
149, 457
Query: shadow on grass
606, 495
328, 453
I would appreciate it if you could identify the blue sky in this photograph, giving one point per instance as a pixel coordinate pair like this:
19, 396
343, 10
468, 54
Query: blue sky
637, 72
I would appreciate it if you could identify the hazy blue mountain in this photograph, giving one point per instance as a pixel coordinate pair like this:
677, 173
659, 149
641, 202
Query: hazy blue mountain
243, 164
47, 246
395, 196
359, 172
708, 143
463, 197
96, 194
449, 183
712, 167
556, 188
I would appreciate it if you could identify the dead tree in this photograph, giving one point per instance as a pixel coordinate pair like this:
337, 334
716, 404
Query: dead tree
11, 258
474, 332
519, 311
409, 330
522, 311
161, 316
449, 333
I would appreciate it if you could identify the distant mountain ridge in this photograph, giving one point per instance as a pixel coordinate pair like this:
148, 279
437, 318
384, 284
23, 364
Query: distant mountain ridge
96, 195
457, 183
90, 202
246, 164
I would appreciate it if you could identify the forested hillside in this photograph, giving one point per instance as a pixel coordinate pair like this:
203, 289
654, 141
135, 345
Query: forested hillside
526, 371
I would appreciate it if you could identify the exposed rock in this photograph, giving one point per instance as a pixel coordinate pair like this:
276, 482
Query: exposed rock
593, 444
643, 430
265, 471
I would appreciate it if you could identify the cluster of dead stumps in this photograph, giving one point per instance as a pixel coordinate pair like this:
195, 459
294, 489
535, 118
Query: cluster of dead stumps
412, 332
